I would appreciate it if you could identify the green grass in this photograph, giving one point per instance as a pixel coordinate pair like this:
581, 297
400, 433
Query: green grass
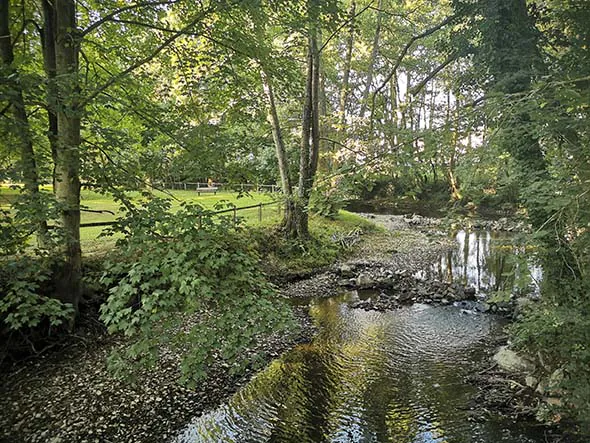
271, 215
284, 257
89, 236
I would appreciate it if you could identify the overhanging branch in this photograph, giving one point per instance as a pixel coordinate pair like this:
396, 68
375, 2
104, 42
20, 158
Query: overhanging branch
416, 89
146, 59
112, 15
402, 55
344, 24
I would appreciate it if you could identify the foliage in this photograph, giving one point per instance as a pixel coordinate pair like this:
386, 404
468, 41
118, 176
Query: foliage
326, 199
493, 183
26, 302
187, 283
559, 332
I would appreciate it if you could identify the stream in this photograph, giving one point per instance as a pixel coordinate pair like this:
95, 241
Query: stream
488, 262
396, 376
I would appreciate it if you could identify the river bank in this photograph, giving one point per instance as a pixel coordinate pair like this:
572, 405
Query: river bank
72, 398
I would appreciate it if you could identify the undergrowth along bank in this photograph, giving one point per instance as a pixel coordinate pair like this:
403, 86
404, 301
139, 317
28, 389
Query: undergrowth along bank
165, 269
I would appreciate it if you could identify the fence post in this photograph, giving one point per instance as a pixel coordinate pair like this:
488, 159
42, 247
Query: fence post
260, 213
235, 216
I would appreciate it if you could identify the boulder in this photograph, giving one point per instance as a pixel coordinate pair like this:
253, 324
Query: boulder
510, 361
469, 293
553, 401
364, 281
555, 380
346, 270
531, 381
344, 282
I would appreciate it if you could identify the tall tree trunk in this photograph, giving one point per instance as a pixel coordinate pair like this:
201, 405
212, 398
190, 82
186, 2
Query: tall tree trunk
21, 119
67, 167
372, 60
48, 45
301, 215
453, 140
310, 130
345, 90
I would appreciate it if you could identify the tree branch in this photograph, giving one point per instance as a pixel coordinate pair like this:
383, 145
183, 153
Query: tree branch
415, 89
342, 145
144, 60
5, 109
344, 24
113, 14
404, 52
169, 30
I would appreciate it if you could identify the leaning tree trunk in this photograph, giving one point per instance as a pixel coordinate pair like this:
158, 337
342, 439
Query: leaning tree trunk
277, 134
21, 119
67, 167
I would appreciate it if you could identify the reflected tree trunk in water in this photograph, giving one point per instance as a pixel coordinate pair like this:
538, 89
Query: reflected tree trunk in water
450, 266
479, 264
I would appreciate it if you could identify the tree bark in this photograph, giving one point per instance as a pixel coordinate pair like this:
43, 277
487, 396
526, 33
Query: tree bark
48, 45
372, 60
67, 167
345, 90
304, 188
277, 134
310, 129
454, 139
21, 119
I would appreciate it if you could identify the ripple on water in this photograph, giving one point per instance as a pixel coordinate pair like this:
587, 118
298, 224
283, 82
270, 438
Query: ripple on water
367, 377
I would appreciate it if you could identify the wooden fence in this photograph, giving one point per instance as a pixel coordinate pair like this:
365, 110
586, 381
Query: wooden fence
202, 187
233, 210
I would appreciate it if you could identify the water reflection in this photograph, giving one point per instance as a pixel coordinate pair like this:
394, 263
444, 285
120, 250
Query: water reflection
490, 263
367, 377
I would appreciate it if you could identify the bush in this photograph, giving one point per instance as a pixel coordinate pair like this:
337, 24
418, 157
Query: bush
559, 332
29, 314
326, 200
189, 283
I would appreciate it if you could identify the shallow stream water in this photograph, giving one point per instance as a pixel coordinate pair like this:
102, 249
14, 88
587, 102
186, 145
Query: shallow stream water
489, 262
370, 376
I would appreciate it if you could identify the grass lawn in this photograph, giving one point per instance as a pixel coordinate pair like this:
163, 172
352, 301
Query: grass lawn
271, 215
91, 243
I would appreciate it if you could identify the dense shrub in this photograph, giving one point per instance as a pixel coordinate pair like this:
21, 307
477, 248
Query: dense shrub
29, 313
559, 333
188, 283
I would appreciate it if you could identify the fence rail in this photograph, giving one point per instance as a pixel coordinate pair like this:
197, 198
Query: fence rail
195, 186
233, 210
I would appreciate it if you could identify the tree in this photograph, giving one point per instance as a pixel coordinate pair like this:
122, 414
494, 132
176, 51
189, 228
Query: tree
22, 128
295, 223
67, 154
67, 99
